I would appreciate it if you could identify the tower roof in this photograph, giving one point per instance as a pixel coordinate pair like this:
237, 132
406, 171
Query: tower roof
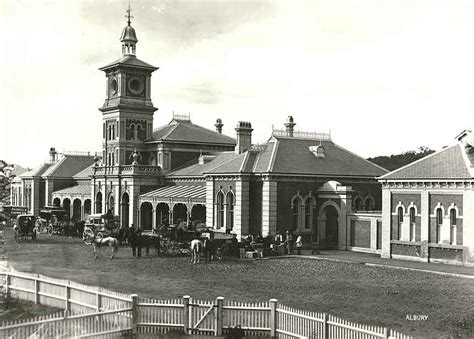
128, 34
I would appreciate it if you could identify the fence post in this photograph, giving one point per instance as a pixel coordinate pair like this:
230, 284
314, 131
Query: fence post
98, 298
7, 285
37, 296
186, 300
134, 314
326, 326
66, 299
218, 316
273, 317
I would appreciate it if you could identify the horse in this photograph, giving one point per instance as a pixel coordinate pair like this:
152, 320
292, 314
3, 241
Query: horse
89, 238
137, 241
195, 250
208, 249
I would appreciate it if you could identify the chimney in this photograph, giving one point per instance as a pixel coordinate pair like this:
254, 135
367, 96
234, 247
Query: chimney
52, 154
244, 136
219, 125
289, 126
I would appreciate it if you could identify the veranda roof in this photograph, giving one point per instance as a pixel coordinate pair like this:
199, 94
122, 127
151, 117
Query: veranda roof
177, 193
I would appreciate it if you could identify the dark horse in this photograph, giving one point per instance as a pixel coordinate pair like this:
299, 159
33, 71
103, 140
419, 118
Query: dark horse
209, 249
138, 241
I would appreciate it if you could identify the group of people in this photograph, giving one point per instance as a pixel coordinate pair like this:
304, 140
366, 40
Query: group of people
274, 242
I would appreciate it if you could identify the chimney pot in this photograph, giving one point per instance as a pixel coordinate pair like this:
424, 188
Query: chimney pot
219, 125
244, 136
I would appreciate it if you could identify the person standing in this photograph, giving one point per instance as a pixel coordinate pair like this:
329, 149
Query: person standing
289, 242
299, 243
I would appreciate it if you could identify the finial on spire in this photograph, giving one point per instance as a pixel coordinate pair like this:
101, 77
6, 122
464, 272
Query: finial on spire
129, 16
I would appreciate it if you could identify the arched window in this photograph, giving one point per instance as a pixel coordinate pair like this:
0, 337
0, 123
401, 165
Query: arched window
452, 229
297, 212
220, 209
309, 207
400, 222
369, 203
439, 224
230, 211
358, 206
412, 223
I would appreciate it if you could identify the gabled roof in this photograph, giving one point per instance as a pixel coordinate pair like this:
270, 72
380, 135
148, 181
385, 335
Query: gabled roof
36, 171
85, 173
195, 169
129, 60
186, 131
287, 155
68, 166
293, 156
449, 163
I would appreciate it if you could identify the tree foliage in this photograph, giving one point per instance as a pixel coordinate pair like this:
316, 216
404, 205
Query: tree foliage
395, 161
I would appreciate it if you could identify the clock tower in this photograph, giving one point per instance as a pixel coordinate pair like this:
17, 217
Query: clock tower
127, 110
126, 169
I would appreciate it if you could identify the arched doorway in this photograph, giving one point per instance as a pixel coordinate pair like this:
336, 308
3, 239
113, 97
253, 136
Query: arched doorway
162, 214
125, 212
67, 207
76, 209
180, 213
198, 214
332, 225
87, 207
98, 202
111, 204
57, 202
146, 216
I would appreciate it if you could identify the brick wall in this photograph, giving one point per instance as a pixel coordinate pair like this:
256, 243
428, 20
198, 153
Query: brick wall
360, 233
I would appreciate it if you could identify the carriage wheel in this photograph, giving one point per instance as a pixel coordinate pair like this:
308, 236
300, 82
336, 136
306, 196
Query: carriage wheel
49, 229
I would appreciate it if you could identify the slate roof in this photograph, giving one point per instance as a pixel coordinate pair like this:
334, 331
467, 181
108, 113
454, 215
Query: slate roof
448, 163
284, 155
85, 173
129, 60
195, 169
292, 156
186, 131
36, 171
68, 166
78, 189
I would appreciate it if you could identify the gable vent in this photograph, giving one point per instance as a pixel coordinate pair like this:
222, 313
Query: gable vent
318, 151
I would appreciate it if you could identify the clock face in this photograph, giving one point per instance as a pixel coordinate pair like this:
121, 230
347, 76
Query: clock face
113, 86
136, 86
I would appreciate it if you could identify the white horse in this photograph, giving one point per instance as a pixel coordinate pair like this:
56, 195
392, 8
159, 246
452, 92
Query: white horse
196, 246
89, 238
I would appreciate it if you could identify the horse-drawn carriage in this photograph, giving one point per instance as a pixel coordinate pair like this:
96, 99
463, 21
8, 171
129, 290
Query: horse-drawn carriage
25, 227
102, 225
54, 220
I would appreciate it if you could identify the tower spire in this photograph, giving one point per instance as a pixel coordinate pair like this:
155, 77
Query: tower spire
129, 37
129, 16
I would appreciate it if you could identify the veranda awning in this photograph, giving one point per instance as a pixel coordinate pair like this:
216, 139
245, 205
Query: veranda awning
177, 193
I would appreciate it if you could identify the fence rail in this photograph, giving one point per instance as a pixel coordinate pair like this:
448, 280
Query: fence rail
94, 311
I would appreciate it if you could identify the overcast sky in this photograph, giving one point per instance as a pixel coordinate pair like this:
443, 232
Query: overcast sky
384, 76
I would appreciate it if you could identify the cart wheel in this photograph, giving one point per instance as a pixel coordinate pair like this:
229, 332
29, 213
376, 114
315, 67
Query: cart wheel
99, 235
50, 230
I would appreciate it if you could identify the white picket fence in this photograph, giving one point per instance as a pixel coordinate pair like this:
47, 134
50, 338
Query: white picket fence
93, 311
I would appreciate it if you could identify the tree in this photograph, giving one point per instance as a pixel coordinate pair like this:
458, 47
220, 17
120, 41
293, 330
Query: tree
395, 161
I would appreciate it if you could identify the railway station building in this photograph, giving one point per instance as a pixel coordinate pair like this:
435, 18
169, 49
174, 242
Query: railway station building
183, 173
